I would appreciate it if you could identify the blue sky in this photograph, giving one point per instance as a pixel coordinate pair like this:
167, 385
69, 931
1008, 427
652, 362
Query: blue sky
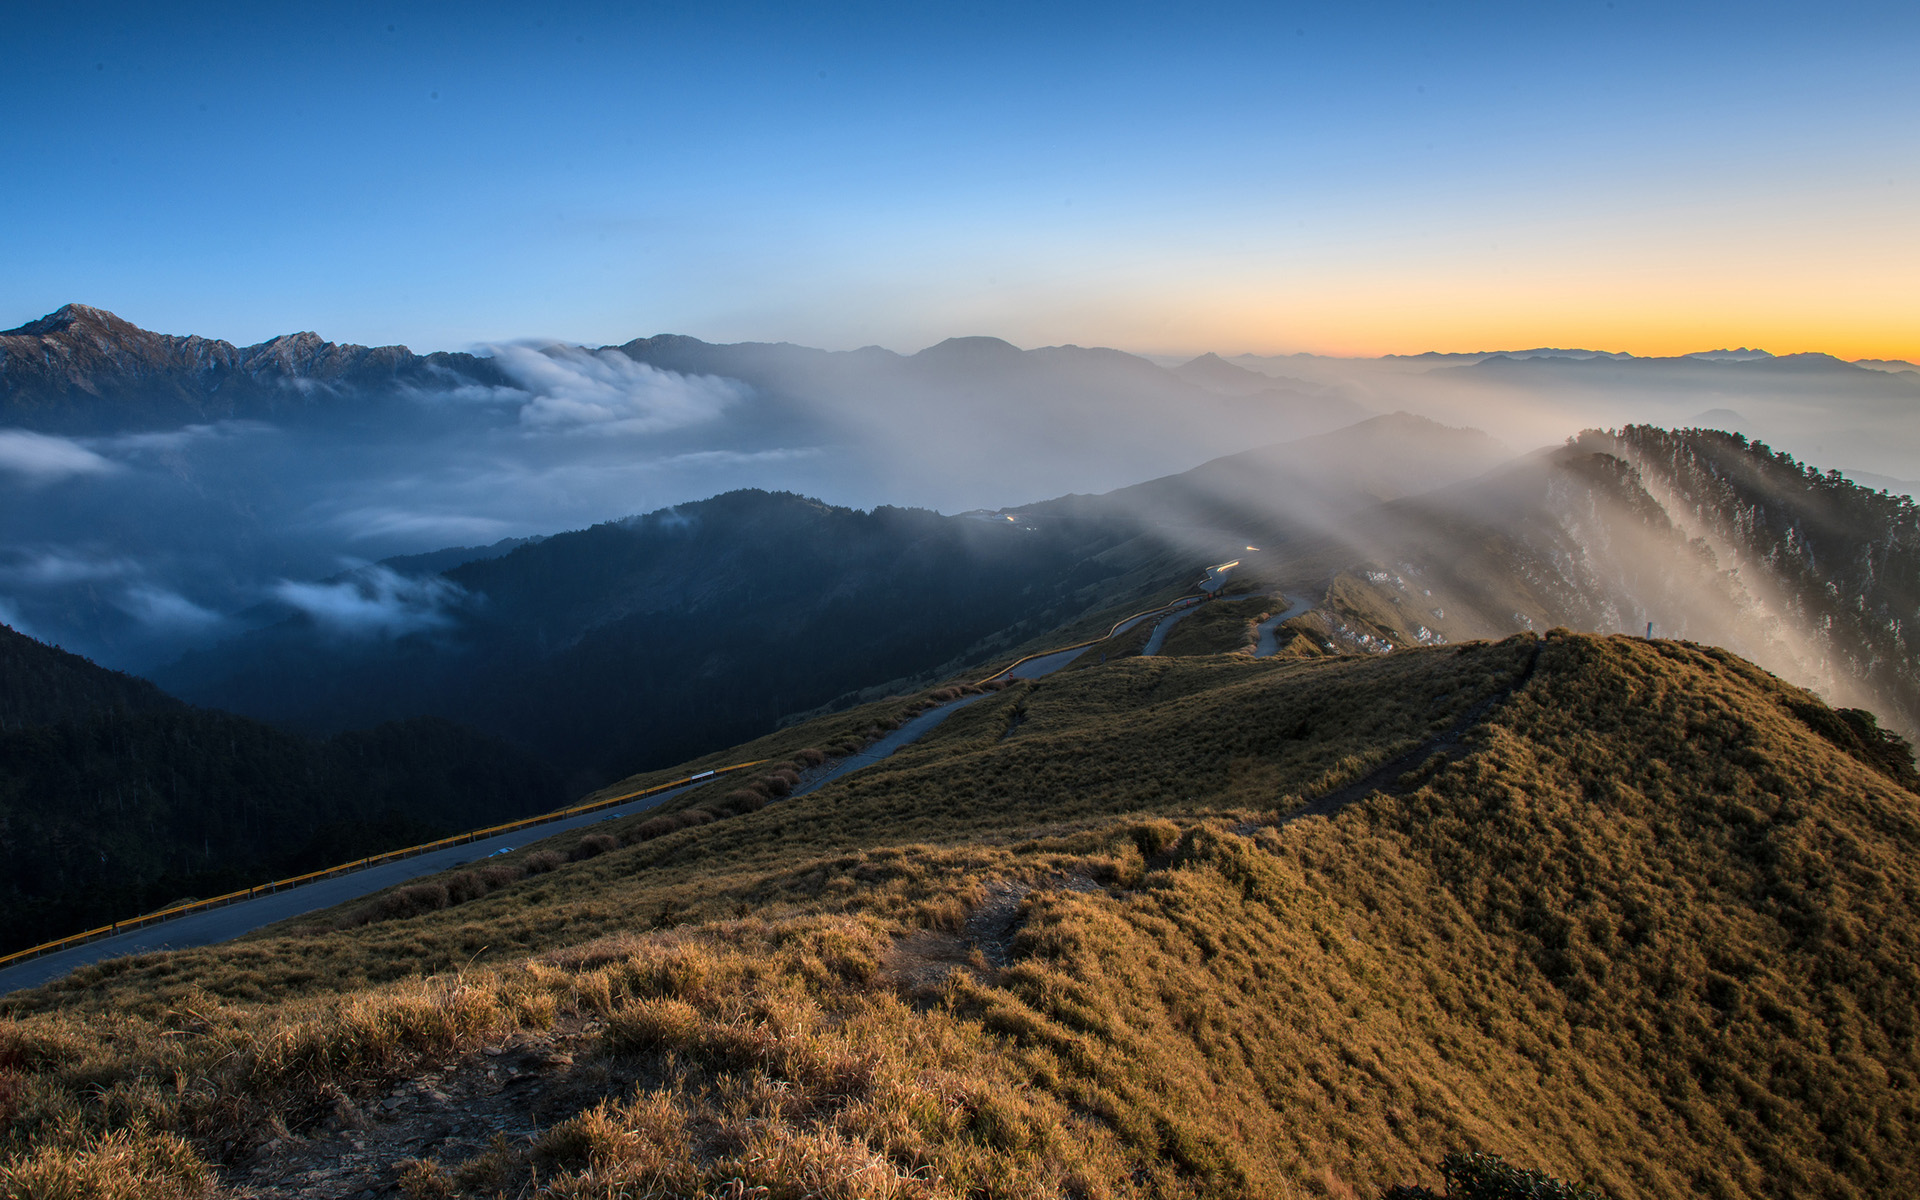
1360, 178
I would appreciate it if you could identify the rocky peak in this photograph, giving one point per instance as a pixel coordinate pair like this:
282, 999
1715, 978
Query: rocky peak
81, 369
67, 316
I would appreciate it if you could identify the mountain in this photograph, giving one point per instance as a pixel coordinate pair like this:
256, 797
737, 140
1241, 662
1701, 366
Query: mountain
1216, 374
1741, 355
1754, 375
1475, 356
156, 491
1699, 533
44, 685
978, 401
116, 798
85, 370
640, 642
1298, 486
1628, 912
643, 641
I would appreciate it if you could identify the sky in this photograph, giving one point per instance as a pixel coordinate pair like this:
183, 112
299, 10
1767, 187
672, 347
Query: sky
1267, 178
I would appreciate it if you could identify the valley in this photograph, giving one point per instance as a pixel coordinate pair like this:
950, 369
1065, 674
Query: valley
1280, 826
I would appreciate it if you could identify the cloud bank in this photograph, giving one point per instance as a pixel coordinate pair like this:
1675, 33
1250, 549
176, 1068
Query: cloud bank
37, 458
604, 391
375, 602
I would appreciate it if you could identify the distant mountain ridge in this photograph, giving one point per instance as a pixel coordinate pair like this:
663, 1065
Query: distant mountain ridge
56, 371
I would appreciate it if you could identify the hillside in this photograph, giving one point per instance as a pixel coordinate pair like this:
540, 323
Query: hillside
42, 684
116, 798
1624, 911
1839, 562
1702, 534
638, 643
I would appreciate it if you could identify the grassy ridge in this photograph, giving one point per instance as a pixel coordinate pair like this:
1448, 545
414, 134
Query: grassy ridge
1648, 922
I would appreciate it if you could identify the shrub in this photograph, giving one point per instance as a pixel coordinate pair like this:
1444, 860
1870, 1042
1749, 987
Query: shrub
810, 757
654, 827
500, 875
1489, 1177
415, 899
594, 845
542, 861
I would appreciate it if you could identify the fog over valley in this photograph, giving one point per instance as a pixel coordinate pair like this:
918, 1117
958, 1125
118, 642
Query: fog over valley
165, 492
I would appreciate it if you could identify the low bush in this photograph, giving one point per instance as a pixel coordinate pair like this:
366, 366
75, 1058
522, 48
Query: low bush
1489, 1177
654, 827
594, 845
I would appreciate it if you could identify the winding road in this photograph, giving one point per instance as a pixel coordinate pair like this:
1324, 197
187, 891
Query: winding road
224, 924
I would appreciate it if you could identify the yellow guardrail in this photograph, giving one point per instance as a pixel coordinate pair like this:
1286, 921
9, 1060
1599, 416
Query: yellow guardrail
458, 839
474, 835
1151, 612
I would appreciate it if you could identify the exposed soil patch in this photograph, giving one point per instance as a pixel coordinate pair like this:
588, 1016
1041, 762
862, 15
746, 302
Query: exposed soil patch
921, 962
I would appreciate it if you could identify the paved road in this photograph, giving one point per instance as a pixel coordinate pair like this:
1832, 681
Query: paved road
918, 727
1158, 637
222, 924
1269, 644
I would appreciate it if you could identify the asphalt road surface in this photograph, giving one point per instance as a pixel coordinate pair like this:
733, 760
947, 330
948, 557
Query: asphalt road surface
1269, 644
223, 924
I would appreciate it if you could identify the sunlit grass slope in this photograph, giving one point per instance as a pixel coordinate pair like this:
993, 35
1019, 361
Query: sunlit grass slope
1647, 919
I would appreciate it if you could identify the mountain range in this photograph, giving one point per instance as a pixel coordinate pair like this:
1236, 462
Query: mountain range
1542, 819
84, 370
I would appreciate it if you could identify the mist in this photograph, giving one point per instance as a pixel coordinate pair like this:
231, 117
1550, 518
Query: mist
143, 539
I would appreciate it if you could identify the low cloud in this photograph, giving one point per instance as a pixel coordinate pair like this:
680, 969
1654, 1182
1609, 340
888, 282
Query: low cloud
169, 611
450, 528
55, 568
375, 602
584, 391
171, 440
737, 458
37, 458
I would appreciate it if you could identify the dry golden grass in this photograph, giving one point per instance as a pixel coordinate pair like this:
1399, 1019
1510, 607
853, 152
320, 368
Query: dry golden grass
1644, 926
1223, 626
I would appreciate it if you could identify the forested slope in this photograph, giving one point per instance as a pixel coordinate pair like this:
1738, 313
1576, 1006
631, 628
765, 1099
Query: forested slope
116, 798
1838, 562
41, 684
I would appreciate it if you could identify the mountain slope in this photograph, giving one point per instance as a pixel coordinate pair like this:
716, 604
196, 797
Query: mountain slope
640, 642
116, 798
42, 684
85, 370
1700, 533
644, 641
1616, 910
